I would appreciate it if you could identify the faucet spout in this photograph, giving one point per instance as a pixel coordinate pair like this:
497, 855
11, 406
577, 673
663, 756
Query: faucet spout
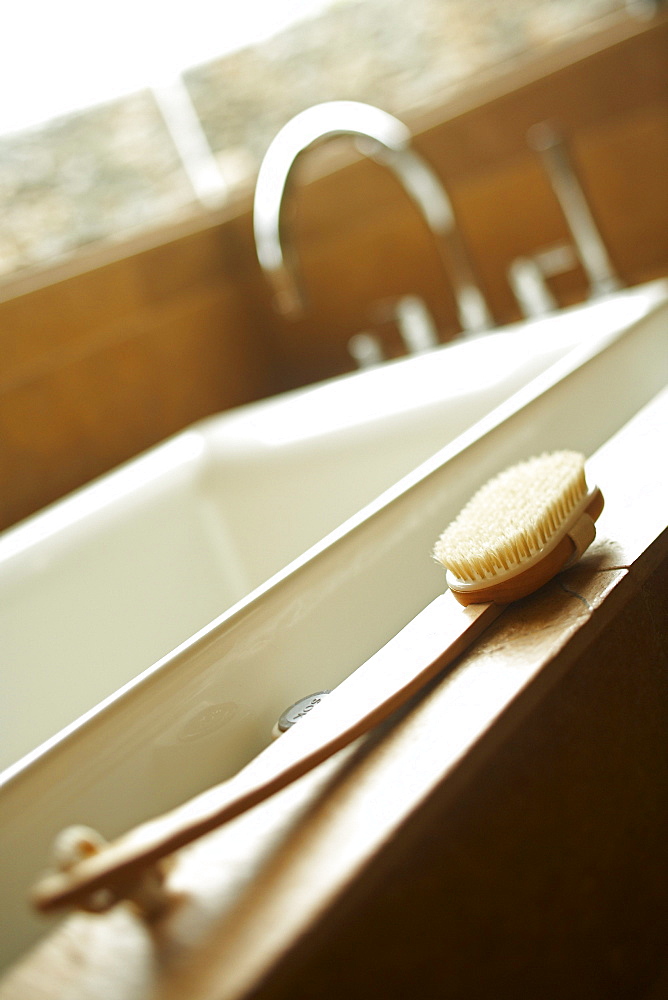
388, 141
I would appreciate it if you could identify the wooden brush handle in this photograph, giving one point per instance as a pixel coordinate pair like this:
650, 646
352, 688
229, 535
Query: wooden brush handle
386, 681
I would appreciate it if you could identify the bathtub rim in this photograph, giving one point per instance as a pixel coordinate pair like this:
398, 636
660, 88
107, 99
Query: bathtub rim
327, 547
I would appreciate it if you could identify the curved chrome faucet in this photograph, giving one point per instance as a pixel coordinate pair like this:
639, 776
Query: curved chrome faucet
387, 140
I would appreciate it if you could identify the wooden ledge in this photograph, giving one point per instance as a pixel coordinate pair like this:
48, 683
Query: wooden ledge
509, 827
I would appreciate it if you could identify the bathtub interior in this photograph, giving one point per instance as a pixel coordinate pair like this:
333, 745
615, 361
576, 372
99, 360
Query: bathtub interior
121, 572
209, 706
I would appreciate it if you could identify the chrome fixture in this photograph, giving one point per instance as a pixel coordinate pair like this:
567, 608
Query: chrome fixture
388, 141
291, 716
366, 350
414, 324
527, 277
550, 146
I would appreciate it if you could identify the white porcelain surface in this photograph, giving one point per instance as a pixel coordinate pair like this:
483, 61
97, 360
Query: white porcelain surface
100, 586
176, 537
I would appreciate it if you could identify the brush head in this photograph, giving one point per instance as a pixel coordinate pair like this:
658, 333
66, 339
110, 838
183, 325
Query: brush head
519, 529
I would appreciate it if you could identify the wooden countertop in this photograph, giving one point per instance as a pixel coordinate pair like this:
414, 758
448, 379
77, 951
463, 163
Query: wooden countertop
504, 835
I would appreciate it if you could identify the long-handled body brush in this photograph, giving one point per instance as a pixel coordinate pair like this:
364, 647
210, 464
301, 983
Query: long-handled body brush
516, 533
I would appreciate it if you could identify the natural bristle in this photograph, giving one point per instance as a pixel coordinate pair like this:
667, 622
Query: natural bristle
513, 517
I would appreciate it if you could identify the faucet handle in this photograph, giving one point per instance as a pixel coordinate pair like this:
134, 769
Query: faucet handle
366, 350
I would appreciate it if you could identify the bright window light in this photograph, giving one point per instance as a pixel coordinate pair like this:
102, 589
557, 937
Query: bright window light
58, 56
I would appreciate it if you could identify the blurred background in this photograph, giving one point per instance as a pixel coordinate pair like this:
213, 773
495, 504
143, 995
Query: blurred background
117, 118
132, 302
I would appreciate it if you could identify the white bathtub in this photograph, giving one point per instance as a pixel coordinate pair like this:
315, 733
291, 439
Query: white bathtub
99, 587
